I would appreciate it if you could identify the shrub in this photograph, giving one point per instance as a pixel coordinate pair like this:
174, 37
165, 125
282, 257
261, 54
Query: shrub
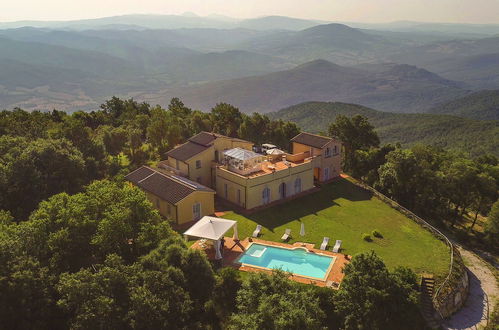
366, 237
376, 233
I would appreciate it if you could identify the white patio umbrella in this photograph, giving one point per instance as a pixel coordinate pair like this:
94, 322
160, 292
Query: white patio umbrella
302, 230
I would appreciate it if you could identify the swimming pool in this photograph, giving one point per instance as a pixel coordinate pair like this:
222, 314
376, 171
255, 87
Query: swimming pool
297, 260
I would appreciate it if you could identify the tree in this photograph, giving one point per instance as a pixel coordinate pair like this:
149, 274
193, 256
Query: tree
226, 119
369, 161
274, 302
164, 131
178, 109
83, 138
355, 133
199, 122
484, 195
74, 232
34, 170
255, 128
459, 174
26, 296
114, 140
492, 225
372, 296
228, 283
117, 296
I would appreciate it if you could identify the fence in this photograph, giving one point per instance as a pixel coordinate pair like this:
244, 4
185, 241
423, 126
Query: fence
425, 225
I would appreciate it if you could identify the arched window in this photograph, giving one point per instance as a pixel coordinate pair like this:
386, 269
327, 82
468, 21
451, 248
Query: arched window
282, 190
297, 185
266, 196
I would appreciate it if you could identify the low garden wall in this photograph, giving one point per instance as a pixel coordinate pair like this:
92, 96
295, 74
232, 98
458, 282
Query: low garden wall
451, 293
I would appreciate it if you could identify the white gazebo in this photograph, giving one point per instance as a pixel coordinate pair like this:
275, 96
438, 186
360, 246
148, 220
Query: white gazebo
213, 229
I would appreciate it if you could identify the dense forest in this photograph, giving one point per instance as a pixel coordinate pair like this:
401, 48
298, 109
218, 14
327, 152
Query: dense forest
469, 136
81, 249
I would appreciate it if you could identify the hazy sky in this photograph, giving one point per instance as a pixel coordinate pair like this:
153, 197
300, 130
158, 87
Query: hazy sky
469, 11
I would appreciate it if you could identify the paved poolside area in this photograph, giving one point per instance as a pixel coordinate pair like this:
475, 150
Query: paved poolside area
233, 249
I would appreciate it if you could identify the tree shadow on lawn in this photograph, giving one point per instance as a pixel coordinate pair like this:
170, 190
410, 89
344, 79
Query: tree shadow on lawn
281, 214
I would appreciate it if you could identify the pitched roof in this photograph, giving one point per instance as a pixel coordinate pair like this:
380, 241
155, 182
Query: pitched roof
204, 138
312, 140
207, 138
186, 151
170, 188
196, 144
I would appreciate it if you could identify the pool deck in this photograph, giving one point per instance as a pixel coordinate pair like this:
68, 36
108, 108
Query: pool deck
233, 249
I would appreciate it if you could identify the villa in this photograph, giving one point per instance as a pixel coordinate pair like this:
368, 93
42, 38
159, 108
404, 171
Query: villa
176, 198
182, 186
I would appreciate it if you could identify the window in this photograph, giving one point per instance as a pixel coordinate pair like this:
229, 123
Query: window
266, 196
326, 173
168, 209
216, 156
196, 211
226, 190
239, 196
297, 186
157, 203
282, 190
328, 152
335, 150
198, 164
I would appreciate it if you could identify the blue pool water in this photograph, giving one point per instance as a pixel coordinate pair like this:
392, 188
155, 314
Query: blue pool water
297, 261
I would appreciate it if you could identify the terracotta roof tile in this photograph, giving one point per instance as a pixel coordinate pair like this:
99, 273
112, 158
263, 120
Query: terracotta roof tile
170, 188
312, 140
186, 151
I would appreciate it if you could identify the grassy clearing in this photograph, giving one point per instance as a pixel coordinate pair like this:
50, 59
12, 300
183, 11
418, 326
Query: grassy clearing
343, 211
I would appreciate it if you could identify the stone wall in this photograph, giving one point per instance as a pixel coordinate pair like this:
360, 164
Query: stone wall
454, 293
454, 290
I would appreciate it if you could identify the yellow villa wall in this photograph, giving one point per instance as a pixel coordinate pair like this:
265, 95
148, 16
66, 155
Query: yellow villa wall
188, 168
206, 157
333, 162
182, 167
182, 212
184, 207
252, 188
163, 207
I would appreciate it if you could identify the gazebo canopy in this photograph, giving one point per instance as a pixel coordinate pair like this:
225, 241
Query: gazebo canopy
241, 154
210, 228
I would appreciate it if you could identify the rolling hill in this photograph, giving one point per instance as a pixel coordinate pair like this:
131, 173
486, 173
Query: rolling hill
185, 21
467, 135
333, 42
483, 105
474, 62
400, 88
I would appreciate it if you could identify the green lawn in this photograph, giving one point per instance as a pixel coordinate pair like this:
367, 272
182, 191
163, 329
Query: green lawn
343, 211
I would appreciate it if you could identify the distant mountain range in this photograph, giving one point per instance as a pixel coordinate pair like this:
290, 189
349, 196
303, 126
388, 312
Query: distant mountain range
261, 64
400, 88
483, 105
470, 136
172, 22
191, 20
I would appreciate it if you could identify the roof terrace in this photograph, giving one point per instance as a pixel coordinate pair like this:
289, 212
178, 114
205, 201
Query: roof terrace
250, 164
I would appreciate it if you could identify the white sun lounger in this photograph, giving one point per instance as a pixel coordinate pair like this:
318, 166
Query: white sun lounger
325, 242
337, 246
257, 231
286, 234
